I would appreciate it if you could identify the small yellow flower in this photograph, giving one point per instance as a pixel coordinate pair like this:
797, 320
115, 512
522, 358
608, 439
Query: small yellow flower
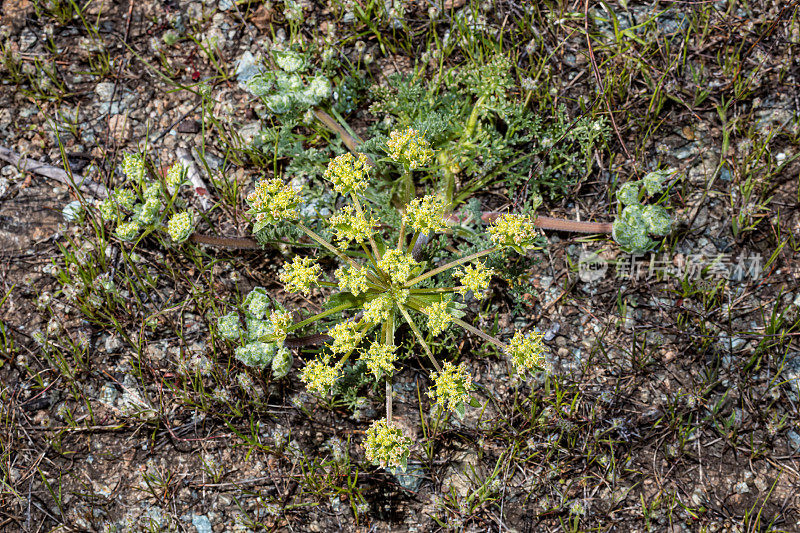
133, 166
345, 337
527, 351
397, 264
128, 231
474, 278
426, 214
386, 445
410, 148
452, 387
273, 201
176, 175
514, 231
352, 279
352, 226
281, 320
348, 174
319, 376
377, 310
300, 274
180, 226
380, 359
438, 317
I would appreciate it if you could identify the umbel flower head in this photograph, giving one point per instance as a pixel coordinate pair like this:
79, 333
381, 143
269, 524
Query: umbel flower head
319, 375
409, 148
514, 231
438, 317
474, 278
426, 214
352, 279
348, 174
345, 337
452, 387
352, 226
387, 446
133, 166
397, 264
128, 231
527, 351
180, 226
272, 201
300, 274
380, 359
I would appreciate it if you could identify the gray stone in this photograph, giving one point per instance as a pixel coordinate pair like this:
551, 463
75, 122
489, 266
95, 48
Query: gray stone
791, 377
247, 67
412, 478
794, 440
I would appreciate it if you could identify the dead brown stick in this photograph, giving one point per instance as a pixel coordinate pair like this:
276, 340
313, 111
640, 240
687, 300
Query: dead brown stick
43, 169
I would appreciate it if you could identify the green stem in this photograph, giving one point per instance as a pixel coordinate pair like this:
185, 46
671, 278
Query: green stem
479, 333
408, 182
308, 231
388, 338
434, 290
371, 240
419, 337
318, 316
451, 264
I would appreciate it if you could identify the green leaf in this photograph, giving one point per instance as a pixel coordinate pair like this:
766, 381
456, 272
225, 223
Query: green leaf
460, 410
340, 298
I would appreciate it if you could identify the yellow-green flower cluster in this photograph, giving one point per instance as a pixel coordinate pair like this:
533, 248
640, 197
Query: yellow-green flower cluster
377, 310
352, 279
352, 226
345, 337
147, 212
281, 320
410, 148
452, 387
273, 201
151, 191
474, 278
386, 445
107, 209
426, 214
527, 351
180, 226
300, 274
397, 264
514, 231
125, 198
128, 231
175, 176
380, 359
133, 166
438, 317
319, 375
348, 174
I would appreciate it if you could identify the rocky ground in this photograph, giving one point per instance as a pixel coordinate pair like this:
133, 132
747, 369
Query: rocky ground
673, 400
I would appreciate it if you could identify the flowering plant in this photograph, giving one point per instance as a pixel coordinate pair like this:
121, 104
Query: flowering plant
142, 207
379, 285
